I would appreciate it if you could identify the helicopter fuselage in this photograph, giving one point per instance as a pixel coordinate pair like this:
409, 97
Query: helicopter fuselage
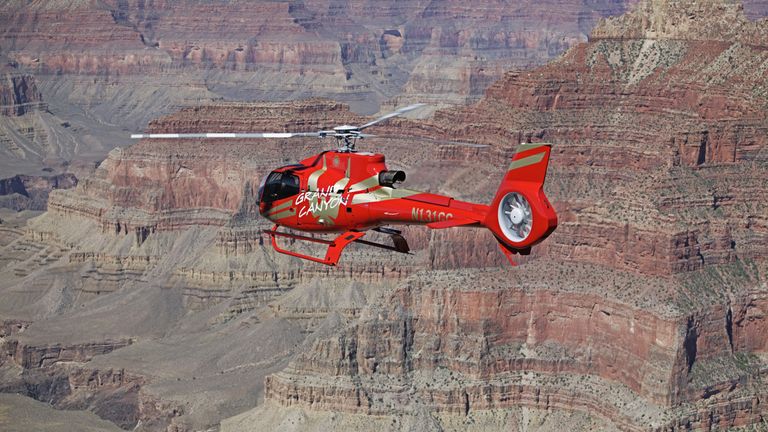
350, 193
339, 191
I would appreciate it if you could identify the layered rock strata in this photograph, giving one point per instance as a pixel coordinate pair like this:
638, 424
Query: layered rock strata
671, 361
659, 140
23, 192
18, 93
644, 310
108, 67
658, 175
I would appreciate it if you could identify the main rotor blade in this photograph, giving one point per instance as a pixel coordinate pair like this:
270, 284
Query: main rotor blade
392, 114
439, 142
230, 135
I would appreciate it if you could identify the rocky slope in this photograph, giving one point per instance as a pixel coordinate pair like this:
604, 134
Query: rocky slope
105, 68
27, 140
21, 414
40, 136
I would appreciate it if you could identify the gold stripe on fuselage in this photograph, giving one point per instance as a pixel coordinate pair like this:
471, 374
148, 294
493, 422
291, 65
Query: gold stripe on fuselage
383, 193
281, 215
280, 207
365, 184
315, 176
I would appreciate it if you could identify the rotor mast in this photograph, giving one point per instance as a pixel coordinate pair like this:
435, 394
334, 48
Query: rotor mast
346, 143
347, 136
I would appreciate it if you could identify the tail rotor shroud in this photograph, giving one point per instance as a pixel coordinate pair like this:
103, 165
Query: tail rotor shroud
521, 215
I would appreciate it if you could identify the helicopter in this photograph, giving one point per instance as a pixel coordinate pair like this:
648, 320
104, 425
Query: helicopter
349, 192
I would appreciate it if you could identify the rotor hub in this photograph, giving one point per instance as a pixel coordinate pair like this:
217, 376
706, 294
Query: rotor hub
516, 216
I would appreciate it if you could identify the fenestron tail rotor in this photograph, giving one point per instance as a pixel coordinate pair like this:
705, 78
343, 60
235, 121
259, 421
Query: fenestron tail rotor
346, 135
515, 217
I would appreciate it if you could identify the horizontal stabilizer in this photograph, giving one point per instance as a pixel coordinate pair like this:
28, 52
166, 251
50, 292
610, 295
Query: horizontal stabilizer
450, 223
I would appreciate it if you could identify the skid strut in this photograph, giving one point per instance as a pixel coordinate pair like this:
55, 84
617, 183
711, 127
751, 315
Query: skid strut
335, 246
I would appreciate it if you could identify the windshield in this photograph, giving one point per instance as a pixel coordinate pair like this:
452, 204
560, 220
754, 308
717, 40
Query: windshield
279, 186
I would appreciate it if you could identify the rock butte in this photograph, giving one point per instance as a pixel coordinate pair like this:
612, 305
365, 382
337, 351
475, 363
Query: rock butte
146, 294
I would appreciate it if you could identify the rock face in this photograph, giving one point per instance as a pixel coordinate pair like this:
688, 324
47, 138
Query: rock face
23, 192
658, 174
659, 140
19, 94
105, 67
444, 344
328, 45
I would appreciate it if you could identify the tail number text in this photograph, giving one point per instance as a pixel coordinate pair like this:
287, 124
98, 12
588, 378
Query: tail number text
425, 215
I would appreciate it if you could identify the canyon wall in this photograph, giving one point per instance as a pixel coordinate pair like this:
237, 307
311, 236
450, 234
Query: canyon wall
106, 68
24, 192
150, 286
658, 174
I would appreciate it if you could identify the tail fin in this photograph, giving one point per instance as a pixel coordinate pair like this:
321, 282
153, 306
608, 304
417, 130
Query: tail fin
520, 214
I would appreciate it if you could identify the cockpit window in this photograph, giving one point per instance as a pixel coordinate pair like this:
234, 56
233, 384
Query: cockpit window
279, 186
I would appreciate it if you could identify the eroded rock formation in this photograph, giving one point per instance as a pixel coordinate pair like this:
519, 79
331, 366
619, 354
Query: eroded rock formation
659, 175
151, 286
108, 67
18, 93
23, 192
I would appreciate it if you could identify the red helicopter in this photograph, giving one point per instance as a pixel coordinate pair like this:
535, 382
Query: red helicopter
351, 192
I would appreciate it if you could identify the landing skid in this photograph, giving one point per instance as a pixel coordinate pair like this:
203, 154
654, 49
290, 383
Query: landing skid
337, 245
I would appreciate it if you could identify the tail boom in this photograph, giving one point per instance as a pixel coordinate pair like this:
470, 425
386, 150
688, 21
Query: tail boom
432, 210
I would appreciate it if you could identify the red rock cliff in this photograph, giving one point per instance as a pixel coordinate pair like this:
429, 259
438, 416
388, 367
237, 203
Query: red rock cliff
658, 174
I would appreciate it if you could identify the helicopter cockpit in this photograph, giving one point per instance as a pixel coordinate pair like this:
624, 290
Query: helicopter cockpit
279, 185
